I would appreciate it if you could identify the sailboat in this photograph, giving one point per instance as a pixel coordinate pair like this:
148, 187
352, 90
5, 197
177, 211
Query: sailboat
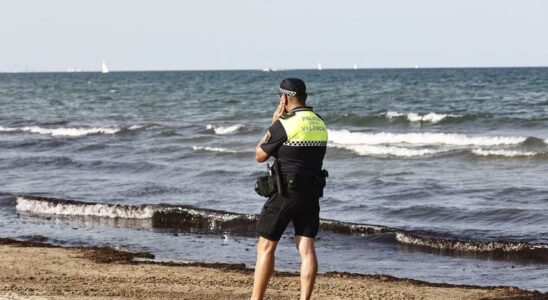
355, 66
104, 68
319, 66
269, 69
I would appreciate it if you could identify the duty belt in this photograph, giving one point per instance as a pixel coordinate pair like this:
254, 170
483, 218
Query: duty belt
275, 183
298, 181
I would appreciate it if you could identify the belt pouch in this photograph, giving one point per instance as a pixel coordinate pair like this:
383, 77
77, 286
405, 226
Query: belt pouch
265, 186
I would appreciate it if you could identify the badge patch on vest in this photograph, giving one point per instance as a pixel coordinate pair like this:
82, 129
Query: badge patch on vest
266, 137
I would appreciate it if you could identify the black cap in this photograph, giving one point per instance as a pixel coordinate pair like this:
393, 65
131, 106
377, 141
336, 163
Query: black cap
293, 87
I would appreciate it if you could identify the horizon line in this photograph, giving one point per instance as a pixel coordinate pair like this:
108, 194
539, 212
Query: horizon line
275, 70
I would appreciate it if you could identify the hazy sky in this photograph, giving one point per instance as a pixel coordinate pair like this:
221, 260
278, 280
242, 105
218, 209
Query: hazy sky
254, 34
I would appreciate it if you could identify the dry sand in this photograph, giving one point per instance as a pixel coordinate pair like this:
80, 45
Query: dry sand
30, 270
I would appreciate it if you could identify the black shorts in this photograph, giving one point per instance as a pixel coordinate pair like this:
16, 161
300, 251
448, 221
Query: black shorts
303, 209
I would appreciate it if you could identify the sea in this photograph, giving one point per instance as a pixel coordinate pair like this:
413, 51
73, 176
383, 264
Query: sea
434, 174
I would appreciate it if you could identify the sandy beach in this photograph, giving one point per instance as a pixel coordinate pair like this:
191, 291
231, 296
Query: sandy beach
35, 270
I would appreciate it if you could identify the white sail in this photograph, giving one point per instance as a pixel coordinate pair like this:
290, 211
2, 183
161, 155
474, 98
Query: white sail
355, 66
104, 68
269, 69
320, 66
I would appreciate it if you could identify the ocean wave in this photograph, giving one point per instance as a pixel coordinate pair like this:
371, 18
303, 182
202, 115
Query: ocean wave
162, 216
213, 149
418, 118
351, 228
493, 248
69, 131
169, 216
367, 150
389, 119
535, 142
504, 153
393, 117
135, 127
39, 205
225, 130
345, 137
221, 222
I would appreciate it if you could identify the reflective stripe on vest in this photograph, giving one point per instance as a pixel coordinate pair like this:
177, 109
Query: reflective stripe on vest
305, 128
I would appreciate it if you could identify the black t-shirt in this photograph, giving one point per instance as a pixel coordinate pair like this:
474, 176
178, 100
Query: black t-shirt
298, 160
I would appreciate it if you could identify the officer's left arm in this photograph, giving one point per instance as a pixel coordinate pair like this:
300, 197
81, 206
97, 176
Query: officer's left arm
271, 142
260, 155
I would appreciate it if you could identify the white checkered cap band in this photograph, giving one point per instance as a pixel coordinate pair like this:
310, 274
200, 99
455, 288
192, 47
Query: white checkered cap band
287, 92
305, 144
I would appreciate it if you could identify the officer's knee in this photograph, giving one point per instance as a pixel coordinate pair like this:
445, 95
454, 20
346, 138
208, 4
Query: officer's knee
266, 246
305, 245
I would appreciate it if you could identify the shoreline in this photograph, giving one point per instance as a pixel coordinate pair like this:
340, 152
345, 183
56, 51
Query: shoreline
38, 269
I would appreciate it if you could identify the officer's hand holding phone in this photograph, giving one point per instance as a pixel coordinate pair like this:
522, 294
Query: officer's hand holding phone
279, 111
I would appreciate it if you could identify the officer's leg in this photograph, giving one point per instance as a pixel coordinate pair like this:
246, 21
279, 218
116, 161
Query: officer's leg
264, 266
309, 264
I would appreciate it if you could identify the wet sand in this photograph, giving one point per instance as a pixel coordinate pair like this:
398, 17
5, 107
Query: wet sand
35, 270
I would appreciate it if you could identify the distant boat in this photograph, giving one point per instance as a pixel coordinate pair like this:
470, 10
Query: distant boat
416, 66
269, 69
355, 66
320, 66
104, 68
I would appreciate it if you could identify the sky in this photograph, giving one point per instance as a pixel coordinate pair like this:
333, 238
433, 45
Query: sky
56, 35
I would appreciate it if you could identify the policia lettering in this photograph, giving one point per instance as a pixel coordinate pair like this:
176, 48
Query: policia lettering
304, 128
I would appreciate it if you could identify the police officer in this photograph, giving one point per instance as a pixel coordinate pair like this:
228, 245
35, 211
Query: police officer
297, 139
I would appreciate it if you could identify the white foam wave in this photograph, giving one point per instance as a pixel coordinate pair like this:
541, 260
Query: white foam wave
367, 150
97, 210
225, 130
6, 129
213, 149
135, 127
457, 245
345, 137
70, 132
503, 153
417, 118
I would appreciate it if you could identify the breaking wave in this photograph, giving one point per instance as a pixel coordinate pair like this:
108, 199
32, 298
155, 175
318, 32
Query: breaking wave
390, 118
345, 137
221, 222
162, 216
431, 143
529, 251
213, 149
373, 150
69, 131
418, 118
225, 130
39, 205
504, 153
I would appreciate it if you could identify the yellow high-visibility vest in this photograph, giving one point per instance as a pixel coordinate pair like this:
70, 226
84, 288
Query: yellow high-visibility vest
304, 128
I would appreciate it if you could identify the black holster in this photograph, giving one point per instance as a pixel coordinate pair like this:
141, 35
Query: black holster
266, 186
